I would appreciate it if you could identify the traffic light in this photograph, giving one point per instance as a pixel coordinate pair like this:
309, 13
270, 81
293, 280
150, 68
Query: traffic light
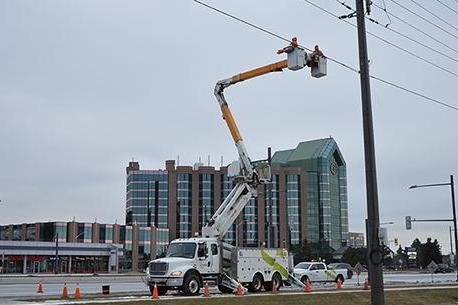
408, 223
396, 241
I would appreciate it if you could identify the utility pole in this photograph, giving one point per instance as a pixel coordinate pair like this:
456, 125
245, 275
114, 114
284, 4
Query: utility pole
452, 186
270, 230
375, 253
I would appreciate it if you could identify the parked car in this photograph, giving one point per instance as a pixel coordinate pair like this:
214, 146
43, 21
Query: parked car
443, 268
318, 272
349, 268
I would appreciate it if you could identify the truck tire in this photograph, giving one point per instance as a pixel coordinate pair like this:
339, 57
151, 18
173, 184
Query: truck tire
161, 290
304, 279
276, 279
341, 277
191, 284
257, 283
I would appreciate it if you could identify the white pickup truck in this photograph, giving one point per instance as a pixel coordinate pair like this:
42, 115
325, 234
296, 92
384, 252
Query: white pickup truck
318, 272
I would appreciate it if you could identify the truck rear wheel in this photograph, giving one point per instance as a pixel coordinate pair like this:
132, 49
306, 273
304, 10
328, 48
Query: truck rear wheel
191, 284
257, 283
276, 280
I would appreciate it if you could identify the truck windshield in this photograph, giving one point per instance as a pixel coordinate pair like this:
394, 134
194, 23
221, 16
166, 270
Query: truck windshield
186, 250
302, 266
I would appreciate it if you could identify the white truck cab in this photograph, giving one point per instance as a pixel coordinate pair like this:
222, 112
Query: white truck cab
187, 263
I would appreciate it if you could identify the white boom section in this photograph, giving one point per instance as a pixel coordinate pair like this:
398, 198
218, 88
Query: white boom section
229, 210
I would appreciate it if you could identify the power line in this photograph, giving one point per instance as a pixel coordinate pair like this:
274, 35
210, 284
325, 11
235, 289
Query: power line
401, 34
413, 92
424, 19
453, 10
435, 15
385, 40
388, 15
415, 28
392, 84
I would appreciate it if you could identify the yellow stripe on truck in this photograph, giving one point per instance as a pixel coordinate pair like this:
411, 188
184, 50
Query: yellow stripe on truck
271, 262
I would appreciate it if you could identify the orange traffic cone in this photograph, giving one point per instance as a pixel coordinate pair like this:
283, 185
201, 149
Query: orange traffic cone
65, 292
308, 286
40, 287
239, 289
339, 284
366, 285
155, 294
77, 291
274, 287
206, 290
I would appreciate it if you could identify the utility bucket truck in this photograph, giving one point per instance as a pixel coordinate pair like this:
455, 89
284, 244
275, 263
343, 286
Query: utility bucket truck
192, 262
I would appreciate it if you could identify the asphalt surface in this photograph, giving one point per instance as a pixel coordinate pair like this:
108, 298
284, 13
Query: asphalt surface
171, 298
11, 287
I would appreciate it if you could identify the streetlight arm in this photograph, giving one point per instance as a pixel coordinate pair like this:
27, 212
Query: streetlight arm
428, 185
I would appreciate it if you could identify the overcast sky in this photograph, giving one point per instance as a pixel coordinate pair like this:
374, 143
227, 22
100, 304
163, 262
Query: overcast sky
85, 86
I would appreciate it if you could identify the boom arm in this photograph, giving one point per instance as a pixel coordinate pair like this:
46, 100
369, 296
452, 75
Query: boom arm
250, 177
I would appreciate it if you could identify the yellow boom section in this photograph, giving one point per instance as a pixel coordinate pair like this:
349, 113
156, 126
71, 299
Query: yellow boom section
275, 67
227, 115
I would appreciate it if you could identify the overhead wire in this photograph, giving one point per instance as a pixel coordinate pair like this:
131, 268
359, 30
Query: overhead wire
424, 19
387, 15
450, 8
414, 27
401, 34
433, 14
353, 69
385, 40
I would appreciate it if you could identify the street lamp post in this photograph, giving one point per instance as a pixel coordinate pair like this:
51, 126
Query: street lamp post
452, 190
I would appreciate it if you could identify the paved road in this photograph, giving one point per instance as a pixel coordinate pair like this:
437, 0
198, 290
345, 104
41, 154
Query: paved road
171, 298
27, 286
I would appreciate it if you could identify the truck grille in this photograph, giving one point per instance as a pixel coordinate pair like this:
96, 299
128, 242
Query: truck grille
156, 268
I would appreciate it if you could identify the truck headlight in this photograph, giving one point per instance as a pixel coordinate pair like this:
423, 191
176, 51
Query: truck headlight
176, 273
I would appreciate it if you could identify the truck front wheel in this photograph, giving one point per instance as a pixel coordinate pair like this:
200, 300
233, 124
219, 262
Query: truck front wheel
276, 280
191, 284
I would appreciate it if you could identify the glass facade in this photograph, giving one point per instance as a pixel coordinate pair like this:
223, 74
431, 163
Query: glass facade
294, 208
250, 221
326, 192
206, 198
313, 214
184, 205
147, 198
106, 233
162, 241
272, 195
